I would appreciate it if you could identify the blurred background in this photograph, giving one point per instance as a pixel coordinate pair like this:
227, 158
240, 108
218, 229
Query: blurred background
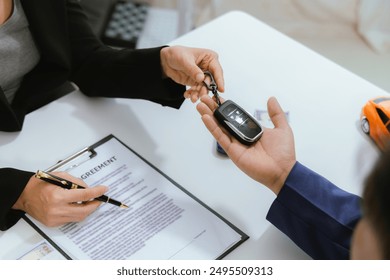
353, 33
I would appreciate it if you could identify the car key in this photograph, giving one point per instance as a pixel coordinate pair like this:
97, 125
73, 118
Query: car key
235, 119
238, 122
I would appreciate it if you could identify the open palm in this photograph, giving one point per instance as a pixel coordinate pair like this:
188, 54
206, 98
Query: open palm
269, 160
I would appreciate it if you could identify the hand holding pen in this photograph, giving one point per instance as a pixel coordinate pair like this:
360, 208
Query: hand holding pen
55, 206
65, 184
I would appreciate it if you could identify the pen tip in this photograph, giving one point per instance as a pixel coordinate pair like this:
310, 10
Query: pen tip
124, 206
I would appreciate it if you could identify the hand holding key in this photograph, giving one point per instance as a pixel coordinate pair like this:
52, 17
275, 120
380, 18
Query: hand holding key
232, 117
185, 66
269, 160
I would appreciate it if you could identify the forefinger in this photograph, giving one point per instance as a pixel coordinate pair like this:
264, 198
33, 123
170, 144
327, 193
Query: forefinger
87, 194
216, 69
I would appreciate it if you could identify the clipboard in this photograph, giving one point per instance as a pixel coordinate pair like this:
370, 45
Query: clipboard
181, 211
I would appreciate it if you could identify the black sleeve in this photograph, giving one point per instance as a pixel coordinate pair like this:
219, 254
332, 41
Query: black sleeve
12, 183
106, 72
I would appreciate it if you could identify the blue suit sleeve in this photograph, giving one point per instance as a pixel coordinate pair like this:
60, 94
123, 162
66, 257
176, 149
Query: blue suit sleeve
318, 216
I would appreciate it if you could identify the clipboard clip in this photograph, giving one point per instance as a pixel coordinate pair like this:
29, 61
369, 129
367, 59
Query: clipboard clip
74, 160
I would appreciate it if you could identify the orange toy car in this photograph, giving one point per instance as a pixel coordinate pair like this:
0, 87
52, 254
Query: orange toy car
375, 120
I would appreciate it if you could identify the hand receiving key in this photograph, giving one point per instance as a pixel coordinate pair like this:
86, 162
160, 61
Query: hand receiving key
233, 118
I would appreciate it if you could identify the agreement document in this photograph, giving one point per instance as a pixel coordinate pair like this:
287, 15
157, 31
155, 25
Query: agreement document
163, 221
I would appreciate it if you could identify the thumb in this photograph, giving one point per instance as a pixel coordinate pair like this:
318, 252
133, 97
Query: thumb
276, 113
194, 72
199, 77
191, 69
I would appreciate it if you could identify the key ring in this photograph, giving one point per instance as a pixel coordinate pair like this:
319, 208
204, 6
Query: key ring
213, 87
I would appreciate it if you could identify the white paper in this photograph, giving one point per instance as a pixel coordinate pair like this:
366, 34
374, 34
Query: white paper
43, 250
163, 222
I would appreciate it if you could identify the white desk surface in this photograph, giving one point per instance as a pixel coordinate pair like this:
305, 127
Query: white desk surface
323, 99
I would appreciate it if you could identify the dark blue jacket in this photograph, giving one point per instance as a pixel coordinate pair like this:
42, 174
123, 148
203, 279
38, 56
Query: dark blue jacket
318, 216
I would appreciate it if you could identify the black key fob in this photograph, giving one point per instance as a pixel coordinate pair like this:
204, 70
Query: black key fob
238, 122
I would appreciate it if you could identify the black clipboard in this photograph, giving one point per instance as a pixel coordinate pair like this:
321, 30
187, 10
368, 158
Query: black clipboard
89, 153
